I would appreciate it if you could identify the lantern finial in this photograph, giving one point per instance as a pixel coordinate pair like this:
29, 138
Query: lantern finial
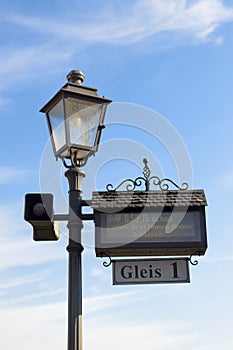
75, 77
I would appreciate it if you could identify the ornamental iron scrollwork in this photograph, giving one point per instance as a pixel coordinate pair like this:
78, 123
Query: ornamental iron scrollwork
195, 262
131, 185
105, 263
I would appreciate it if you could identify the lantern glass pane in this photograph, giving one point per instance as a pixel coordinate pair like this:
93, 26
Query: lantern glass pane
56, 116
83, 120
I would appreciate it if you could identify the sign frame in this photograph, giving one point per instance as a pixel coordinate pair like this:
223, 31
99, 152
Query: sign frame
150, 273
152, 248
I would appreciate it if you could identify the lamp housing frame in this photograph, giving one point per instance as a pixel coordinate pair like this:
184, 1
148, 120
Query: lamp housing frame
78, 93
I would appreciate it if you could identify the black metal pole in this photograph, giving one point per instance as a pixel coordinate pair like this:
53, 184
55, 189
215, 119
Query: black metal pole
75, 248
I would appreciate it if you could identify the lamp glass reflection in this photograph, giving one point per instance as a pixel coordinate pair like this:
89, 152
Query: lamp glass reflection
83, 120
56, 117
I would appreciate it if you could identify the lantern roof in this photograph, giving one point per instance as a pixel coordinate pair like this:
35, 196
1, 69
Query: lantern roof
74, 88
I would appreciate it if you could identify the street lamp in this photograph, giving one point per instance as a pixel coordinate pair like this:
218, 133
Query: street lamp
75, 117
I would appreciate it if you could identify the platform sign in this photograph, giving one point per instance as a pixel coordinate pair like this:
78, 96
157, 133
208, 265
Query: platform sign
150, 271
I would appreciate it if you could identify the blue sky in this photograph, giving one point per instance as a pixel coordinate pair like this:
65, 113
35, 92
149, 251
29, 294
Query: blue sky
174, 58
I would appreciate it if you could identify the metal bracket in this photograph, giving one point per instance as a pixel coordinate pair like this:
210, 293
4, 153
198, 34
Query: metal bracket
75, 162
105, 263
83, 216
195, 262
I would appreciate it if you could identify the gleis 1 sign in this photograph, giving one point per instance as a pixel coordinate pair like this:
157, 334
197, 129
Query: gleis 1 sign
153, 271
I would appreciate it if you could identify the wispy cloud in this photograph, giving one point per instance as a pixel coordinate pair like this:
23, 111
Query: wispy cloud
32, 298
52, 43
95, 304
167, 335
96, 271
16, 236
143, 18
19, 281
37, 326
30, 62
34, 327
25, 289
26, 253
8, 174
